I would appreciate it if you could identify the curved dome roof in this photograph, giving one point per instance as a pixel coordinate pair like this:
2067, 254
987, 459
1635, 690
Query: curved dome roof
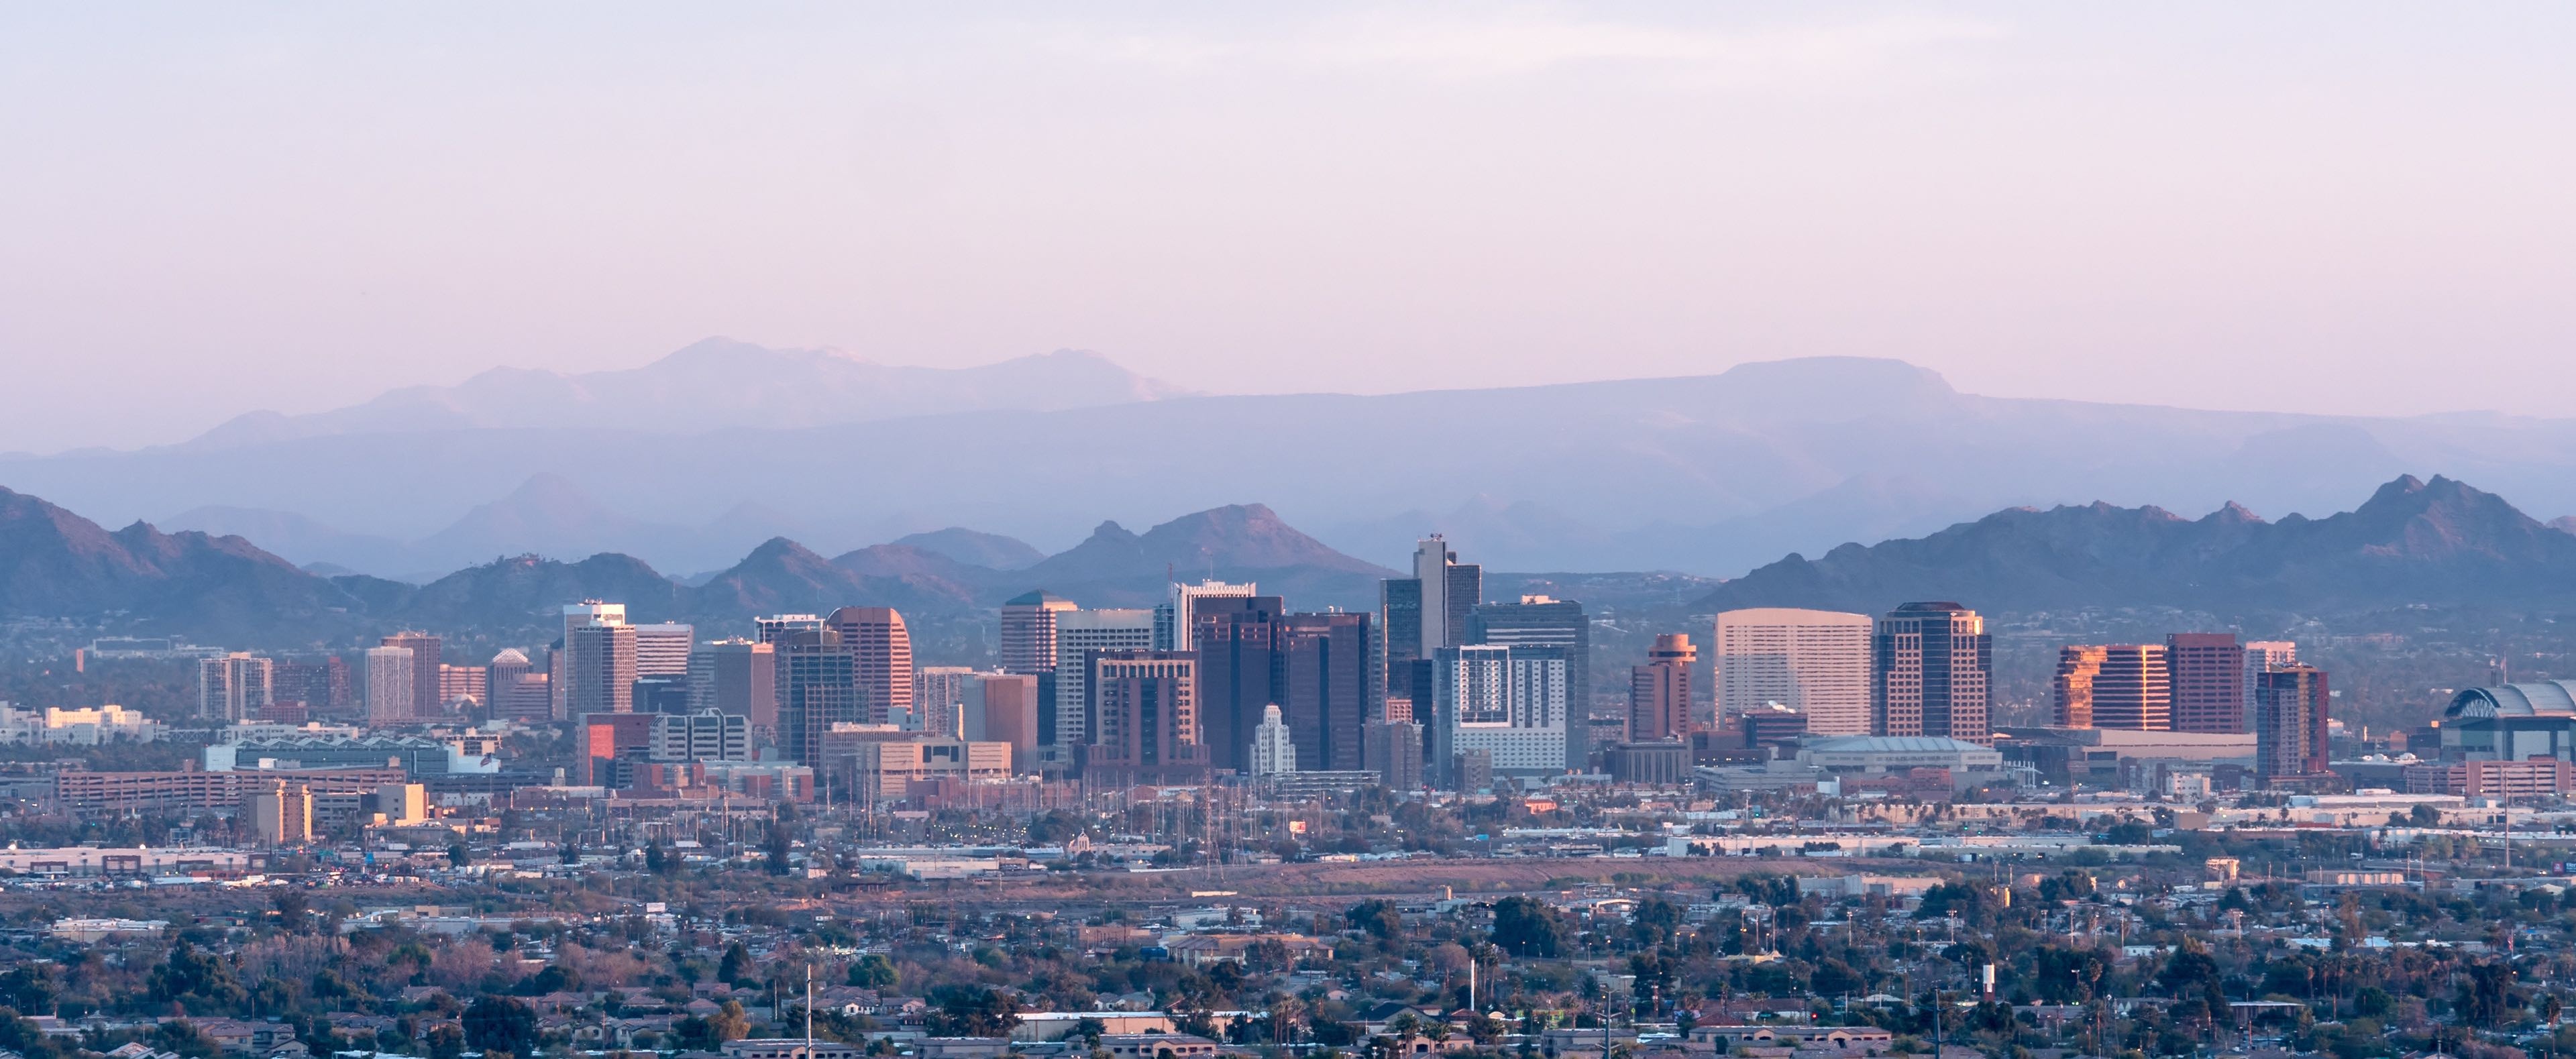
2546, 698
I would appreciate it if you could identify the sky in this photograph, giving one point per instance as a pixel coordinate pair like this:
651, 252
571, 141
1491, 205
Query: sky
2324, 207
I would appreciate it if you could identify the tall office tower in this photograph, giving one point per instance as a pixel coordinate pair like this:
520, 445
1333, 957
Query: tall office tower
1141, 714
1173, 619
739, 677
321, 684
1236, 639
2121, 686
662, 649
881, 647
1028, 631
501, 677
426, 657
1273, 751
390, 686
233, 688
1508, 701
1541, 621
1659, 692
818, 686
582, 615
1449, 590
2206, 671
1393, 750
1934, 663
1328, 686
939, 695
704, 735
2290, 718
599, 669
1813, 661
1079, 633
2260, 657
1399, 613
1005, 710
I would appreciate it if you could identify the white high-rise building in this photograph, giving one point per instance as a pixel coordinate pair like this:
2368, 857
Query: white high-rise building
1078, 632
1813, 661
1173, 620
1273, 751
1510, 703
662, 649
704, 735
2260, 657
234, 687
939, 695
390, 686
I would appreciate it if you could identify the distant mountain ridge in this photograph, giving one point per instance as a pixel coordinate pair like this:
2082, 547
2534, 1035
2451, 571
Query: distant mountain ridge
1710, 474
2438, 541
712, 384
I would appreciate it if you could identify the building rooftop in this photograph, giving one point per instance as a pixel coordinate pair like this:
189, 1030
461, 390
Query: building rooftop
2547, 698
1891, 744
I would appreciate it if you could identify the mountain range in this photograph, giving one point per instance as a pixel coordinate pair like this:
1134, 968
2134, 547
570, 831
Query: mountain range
2437, 542
225, 589
692, 460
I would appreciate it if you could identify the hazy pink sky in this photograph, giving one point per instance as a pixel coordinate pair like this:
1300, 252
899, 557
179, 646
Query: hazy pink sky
2327, 207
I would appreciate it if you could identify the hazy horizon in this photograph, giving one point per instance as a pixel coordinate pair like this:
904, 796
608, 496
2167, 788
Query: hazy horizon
2303, 208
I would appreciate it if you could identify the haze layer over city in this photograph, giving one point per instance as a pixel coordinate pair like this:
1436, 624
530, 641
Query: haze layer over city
1324, 532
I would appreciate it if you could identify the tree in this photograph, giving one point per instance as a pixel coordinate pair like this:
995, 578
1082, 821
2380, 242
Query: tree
2066, 976
196, 980
27, 987
971, 1011
708, 1034
775, 848
445, 1042
873, 971
2192, 973
1053, 828
736, 964
1378, 918
1655, 920
458, 855
1525, 927
2482, 997
293, 908
501, 1024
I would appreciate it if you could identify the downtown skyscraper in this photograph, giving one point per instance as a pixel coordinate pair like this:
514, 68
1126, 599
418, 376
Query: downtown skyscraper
1815, 662
880, 648
1934, 668
1536, 625
2120, 686
1659, 692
